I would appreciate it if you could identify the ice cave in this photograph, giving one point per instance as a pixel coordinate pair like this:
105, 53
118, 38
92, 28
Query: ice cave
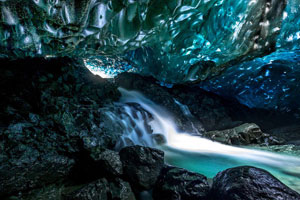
150, 100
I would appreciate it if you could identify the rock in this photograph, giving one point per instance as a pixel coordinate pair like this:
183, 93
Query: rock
103, 190
179, 184
142, 165
291, 133
51, 111
244, 134
159, 139
249, 183
110, 162
31, 171
49, 192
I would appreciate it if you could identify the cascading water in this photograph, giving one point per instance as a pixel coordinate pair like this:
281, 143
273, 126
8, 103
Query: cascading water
193, 152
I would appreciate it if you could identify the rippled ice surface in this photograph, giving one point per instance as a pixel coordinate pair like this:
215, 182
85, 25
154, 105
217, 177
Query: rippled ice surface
271, 82
162, 38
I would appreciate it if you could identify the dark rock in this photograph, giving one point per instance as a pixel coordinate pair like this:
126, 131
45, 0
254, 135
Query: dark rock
103, 190
142, 165
159, 139
32, 170
249, 183
179, 184
289, 133
244, 134
218, 113
51, 111
110, 162
49, 192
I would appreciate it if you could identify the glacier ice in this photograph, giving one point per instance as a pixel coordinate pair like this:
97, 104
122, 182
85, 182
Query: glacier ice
177, 34
271, 82
253, 43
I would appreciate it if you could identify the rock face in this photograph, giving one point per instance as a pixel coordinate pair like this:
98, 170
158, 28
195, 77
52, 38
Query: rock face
249, 183
103, 190
244, 134
51, 121
142, 165
179, 184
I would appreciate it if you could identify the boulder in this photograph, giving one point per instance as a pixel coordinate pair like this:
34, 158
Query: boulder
103, 190
142, 165
245, 134
249, 183
179, 184
110, 162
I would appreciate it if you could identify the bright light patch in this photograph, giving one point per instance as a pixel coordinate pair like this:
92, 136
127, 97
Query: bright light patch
100, 73
107, 67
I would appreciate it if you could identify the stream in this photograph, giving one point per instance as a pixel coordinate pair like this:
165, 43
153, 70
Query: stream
143, 121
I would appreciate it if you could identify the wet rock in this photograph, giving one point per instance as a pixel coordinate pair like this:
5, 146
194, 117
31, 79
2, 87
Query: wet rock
159, 139
180, 184
103, 190
110, 162
142, 165
249, 183
244, 134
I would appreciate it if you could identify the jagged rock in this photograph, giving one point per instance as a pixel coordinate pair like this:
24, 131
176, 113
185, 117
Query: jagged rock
249, 183
244, 134
50, 111
103, 190
110, 162
142, 165
179, 184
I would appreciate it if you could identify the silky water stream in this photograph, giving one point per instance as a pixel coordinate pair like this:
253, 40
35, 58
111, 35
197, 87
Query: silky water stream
143, 122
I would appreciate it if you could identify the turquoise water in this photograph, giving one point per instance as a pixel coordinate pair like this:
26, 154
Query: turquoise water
209, 164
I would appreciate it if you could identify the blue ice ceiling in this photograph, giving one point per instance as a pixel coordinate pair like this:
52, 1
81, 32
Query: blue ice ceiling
271, 82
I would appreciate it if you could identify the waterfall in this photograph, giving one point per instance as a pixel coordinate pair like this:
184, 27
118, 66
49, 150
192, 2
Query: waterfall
143, 121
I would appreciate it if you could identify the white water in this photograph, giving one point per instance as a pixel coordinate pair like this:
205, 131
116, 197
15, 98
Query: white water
184, 144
